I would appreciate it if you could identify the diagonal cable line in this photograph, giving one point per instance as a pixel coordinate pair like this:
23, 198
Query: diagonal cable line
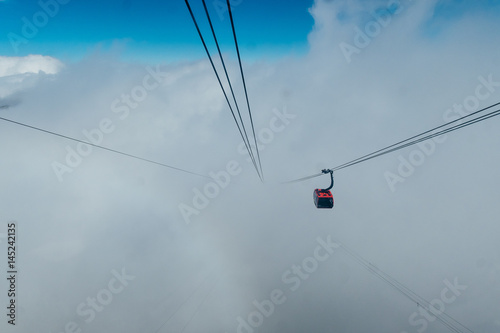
420, 301
102, 147
194, 291
416, 299
199, 306
416, 138
222, 87
227, 77
400, 285
244, 86
303, 178
443, 317
430, 136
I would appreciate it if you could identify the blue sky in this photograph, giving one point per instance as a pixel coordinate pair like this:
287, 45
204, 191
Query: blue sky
163, 30
153, 28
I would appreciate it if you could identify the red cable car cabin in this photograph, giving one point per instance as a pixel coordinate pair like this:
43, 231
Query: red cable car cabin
323, 198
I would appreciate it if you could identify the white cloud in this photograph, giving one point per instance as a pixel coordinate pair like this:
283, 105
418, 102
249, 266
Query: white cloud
21, 73
29, 64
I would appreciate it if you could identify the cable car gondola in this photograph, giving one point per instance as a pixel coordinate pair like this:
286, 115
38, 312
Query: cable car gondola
323, 198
